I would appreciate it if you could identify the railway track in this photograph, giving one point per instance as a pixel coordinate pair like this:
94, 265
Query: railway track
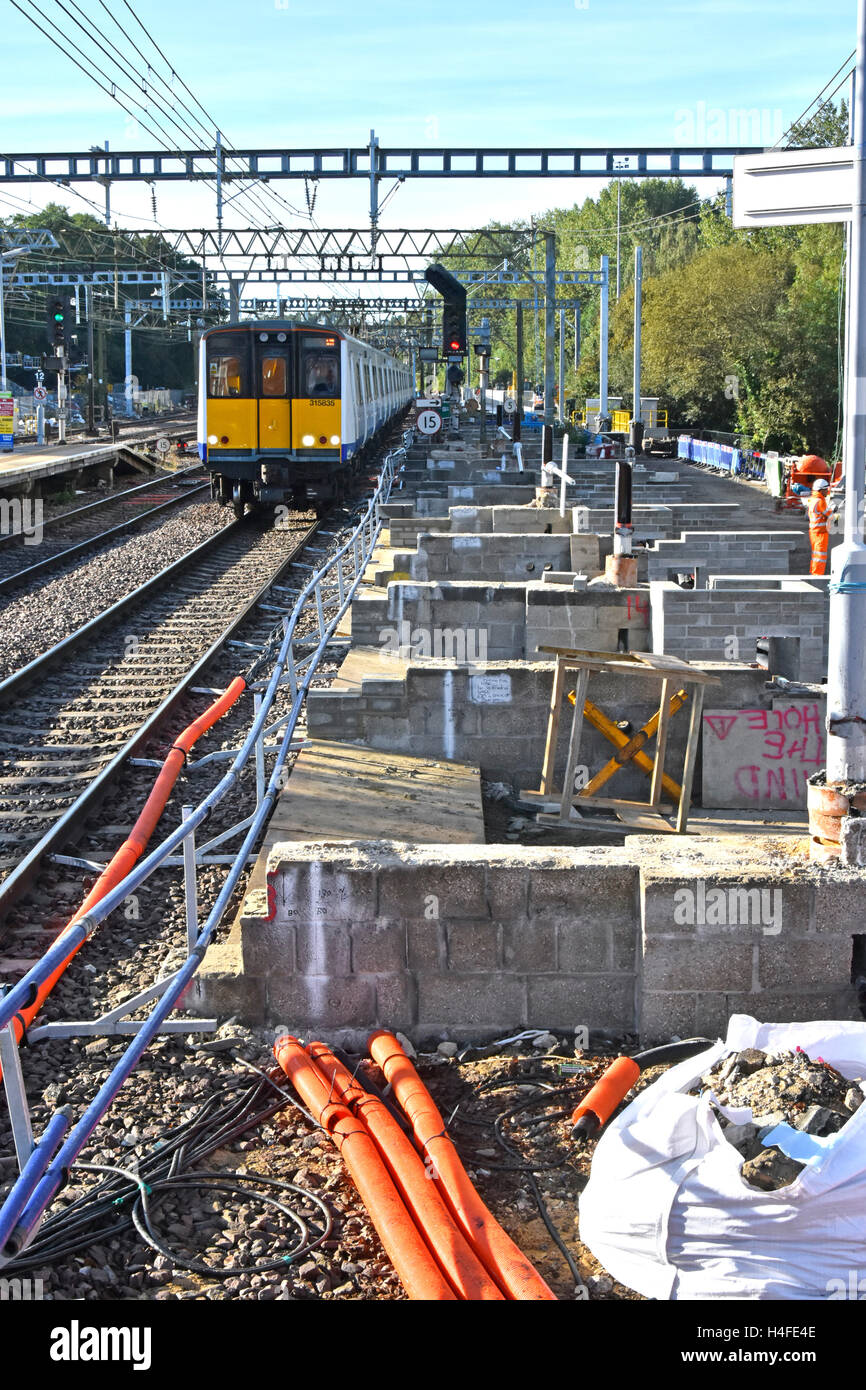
70, 535
69, 719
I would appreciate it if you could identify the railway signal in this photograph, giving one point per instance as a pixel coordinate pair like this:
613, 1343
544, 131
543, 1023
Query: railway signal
56, 323
453, 329
454, 334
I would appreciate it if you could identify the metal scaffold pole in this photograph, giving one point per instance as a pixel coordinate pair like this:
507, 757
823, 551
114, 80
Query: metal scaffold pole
846, 677
549, 324
602, 341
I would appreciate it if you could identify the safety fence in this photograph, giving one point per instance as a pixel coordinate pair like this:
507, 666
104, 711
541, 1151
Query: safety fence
43, 1165
724, 457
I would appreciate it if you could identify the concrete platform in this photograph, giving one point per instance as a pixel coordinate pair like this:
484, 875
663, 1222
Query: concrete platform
31, 463
376, 900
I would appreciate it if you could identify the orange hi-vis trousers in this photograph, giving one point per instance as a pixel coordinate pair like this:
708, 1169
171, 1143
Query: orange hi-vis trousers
819, 534
819, 539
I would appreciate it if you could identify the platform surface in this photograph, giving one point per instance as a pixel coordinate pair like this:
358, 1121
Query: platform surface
31, 460
343, 791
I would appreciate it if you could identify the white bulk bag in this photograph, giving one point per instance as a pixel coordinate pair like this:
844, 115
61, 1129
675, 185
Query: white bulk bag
668, 1214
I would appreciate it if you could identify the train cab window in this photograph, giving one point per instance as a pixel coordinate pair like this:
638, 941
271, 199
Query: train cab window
227, 365
274, 375
320, 366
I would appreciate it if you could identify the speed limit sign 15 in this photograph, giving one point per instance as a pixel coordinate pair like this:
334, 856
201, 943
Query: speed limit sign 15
429, 421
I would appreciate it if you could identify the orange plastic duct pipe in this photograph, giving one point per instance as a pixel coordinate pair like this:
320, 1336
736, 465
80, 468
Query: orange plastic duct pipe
452, 1252
513, 1272
612, 1086
419, 1273
133, 848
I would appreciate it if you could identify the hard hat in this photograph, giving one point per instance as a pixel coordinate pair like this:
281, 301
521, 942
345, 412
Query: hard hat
820, 485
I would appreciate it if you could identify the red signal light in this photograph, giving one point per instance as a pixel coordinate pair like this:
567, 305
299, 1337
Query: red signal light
454, 345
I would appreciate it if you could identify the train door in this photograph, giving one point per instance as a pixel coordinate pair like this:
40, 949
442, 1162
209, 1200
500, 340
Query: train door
316, 412
231, 422
273, 388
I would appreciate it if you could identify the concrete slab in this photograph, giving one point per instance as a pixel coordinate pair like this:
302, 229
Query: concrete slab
340, 791
367, 661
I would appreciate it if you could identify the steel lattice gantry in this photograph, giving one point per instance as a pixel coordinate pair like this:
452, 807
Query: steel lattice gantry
374, 160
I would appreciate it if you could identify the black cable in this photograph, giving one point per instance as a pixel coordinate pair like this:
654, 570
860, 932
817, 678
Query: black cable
225, 1181
106, 1209
530, 1171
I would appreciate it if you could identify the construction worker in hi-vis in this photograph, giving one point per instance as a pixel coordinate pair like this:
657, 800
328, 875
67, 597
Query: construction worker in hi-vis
819, 526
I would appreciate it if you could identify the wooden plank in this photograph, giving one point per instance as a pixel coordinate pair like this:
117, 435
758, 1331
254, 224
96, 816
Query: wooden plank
614, 803
573, 745
691, 759
552, 728
647, 821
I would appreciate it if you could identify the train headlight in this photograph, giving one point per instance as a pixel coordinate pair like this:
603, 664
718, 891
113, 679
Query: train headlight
308, 441
212, 439
335, 439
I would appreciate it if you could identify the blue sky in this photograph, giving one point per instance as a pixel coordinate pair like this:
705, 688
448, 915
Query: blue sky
554, 72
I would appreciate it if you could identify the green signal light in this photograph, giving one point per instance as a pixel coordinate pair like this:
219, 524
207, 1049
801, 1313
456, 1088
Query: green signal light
58, 318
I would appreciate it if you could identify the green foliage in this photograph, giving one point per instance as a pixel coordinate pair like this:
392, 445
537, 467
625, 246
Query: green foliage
740, 328
161, 356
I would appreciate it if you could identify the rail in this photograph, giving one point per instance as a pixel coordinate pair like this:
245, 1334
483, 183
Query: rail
43, 1166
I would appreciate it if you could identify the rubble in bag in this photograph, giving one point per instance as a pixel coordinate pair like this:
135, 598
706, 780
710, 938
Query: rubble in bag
778, 1087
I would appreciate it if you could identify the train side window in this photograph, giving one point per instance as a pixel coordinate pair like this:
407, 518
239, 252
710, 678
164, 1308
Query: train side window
227, 365
274, 376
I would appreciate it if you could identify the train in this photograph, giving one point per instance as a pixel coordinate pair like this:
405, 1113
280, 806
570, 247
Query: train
287, 409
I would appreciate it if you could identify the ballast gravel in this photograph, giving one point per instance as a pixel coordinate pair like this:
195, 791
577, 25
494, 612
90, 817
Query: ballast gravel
35, 619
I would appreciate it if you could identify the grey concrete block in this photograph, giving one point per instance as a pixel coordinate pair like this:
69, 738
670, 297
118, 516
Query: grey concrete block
839, 907
473, 945
498, 999
584, 945
426, 944
263, 943
310, 892
670, 1013
460, 891
396, 1001
591, 893
825, 963
673, 964
378, 946
507, 891
804, 1004
323, 949
529, 946
305, 1003
568, 1001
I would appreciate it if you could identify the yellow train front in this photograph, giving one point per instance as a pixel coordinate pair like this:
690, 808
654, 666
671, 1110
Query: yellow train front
285, 409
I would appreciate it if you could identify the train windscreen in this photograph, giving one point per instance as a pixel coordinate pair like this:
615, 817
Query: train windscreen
228, 365
319, 365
